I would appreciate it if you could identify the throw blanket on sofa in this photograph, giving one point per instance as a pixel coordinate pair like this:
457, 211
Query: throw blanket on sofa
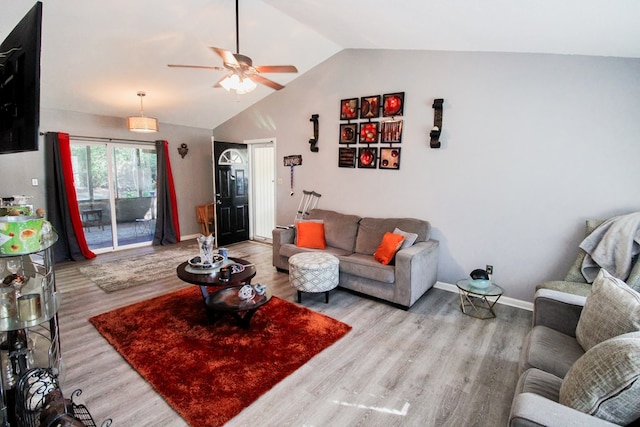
612, 246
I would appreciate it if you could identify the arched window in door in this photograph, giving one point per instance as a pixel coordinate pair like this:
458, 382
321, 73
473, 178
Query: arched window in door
231, 157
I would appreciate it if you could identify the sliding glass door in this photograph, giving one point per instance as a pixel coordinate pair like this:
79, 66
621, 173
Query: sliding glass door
116, 189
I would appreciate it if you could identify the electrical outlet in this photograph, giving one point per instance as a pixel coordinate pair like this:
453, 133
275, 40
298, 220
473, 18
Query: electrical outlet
489, 269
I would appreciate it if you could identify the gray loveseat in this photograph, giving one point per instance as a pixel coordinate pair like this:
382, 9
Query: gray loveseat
580, 363
354, 240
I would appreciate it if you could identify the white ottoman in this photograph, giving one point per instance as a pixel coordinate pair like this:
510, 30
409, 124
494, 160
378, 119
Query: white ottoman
313, 272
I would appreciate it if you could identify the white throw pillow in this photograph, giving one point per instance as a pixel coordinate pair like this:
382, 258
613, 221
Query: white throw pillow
409, 238
612, 308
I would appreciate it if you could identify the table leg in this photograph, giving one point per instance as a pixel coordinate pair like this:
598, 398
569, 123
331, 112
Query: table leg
246, 319
467, 301
243, 321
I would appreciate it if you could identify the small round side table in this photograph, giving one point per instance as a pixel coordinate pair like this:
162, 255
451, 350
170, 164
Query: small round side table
478, 302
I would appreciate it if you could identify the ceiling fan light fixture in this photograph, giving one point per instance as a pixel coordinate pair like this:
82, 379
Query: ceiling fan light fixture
240, 85
141, 123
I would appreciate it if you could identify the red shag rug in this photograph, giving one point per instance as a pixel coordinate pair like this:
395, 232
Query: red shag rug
191, 364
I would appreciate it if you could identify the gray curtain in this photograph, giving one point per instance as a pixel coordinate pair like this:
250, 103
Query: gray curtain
62, 204
167, 227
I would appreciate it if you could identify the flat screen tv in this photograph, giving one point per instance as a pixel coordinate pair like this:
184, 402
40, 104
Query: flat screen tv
20, 84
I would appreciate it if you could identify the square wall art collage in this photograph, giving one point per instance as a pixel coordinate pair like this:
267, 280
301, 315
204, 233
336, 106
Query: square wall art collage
374, 128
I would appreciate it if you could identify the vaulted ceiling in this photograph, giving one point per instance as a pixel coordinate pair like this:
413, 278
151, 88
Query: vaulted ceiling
97, 55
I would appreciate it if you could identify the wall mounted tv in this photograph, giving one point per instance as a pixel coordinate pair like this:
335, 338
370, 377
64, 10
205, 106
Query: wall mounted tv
20, 84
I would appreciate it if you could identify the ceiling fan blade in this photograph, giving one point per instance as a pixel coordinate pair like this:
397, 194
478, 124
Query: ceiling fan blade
263, 80
205, 67
227, 57
218, 82
276, 68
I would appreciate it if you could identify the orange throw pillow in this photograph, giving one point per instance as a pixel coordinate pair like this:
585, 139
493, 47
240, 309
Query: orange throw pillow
388, 247
311, 235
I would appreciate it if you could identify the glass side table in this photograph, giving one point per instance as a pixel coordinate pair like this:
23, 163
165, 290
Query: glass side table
478, 302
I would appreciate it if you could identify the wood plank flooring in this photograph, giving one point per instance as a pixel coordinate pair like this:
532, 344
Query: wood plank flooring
428, 366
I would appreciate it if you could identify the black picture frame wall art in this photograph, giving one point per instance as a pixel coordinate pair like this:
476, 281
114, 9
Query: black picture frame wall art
348, 133
370, 107
349, 109
346, 157
392, 104
369, 133
367, 157
391, 132
390, 158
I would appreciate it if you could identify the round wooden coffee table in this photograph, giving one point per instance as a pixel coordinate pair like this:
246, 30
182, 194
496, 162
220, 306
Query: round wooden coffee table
226, 300
206, 279
209, 278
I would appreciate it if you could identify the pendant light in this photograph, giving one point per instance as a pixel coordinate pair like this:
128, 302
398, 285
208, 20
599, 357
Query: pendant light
141, 123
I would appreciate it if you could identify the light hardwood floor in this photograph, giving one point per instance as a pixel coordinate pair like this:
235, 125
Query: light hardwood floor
428, 366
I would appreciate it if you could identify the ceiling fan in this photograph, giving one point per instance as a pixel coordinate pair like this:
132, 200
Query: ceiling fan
244, 75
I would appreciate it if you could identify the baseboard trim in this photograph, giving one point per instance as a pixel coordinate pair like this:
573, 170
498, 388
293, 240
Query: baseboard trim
189, 237
503, 300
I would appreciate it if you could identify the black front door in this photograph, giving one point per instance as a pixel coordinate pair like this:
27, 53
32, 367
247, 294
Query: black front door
232, 198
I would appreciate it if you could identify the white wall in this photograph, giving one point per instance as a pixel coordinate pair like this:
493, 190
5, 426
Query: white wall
532, 146
192, 175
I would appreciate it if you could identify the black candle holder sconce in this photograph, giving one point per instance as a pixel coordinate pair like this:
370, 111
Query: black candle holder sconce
436, 130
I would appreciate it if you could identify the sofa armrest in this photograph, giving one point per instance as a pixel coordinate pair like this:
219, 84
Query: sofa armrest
416, 271
557, 310
529, 409
281, 236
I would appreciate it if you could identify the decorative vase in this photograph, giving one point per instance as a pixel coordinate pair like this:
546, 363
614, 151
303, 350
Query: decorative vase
205, 244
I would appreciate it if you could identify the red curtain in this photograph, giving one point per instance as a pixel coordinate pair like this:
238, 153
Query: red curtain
72, 198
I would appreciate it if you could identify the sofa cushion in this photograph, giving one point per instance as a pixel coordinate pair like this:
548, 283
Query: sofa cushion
367, 267
409, 238
289, 249
539, 382
388, 247
549, 350
612, 308
339, 229
310, 234
371, 231
605, 381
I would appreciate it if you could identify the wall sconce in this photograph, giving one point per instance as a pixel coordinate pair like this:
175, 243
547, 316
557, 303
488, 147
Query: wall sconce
314, 141
183, 150
436, 130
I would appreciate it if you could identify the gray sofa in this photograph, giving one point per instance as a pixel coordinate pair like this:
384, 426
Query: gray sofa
354, 240
569, 378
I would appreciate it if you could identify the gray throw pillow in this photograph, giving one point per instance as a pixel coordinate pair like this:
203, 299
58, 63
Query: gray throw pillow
409, 238
605, 381
612, 308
